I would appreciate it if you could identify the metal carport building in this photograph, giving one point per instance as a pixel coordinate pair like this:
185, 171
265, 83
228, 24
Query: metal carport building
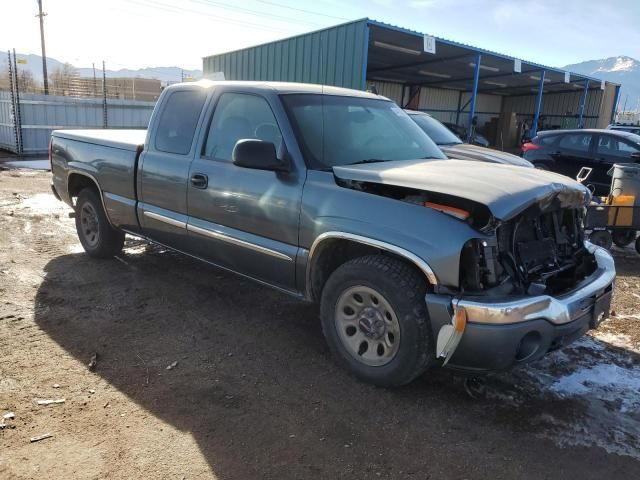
452, 81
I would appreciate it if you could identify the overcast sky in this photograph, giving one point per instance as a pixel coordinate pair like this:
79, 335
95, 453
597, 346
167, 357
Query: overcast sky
141, 33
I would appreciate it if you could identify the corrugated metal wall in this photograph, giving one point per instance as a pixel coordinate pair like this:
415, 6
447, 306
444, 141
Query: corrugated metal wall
443, 104
334, 56
439, 102
558, 109
606, 106
7, 133
393, 91
41, 114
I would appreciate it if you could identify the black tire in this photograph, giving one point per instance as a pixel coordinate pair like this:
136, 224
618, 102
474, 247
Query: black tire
623, 238
601, 238
541, 166
96, 235
401, 287
638, 245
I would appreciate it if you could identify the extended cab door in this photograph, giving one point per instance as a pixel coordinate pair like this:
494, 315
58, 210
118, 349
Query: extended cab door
163, 171
239, 218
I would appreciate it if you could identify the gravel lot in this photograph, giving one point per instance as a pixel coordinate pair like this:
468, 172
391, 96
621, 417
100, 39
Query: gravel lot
254, 392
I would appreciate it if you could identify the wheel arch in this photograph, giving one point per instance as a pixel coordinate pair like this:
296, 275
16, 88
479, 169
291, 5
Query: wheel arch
79, 180
331, 249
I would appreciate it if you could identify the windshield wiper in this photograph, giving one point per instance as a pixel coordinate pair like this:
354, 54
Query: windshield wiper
368, 160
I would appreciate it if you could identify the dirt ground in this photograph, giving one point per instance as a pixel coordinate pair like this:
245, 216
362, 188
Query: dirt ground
254, 392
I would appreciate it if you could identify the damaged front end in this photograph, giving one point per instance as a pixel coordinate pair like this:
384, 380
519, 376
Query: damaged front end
527, 283
540, 251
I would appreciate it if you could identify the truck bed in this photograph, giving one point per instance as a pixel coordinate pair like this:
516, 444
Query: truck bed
116, 138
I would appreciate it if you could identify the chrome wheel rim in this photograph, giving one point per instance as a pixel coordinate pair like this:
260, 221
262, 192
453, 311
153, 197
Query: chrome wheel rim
89, 224
367, 326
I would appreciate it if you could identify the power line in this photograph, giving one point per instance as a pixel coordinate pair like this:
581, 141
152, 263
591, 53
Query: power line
303, 10
253, 12
174, 9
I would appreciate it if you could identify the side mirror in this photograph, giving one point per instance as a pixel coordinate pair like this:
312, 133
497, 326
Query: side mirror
257, 154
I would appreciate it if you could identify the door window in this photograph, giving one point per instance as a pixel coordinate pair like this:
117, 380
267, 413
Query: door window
240, 116
612, 146
178, 121
576, 142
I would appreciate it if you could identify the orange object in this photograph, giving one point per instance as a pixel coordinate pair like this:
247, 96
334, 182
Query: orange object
456, 212
460, 319
621, 217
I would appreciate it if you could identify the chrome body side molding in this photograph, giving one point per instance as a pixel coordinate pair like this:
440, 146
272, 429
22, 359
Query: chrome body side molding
168, 220
236, 241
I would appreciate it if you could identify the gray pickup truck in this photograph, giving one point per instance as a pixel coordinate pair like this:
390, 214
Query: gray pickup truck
337, 197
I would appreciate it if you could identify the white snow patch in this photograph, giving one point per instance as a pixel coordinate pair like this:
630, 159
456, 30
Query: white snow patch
604, 381
77, 248
43, 203
623, 64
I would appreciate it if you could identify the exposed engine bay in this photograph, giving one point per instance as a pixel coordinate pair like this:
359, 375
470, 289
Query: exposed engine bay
540, 251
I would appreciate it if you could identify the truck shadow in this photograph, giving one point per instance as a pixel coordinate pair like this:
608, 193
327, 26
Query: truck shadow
257, 389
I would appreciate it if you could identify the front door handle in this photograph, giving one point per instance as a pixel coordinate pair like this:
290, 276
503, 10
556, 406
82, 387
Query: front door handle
199, 180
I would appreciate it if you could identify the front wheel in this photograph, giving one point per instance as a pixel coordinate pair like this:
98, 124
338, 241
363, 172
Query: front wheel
375, 321
623, 238
601, 238
98, 238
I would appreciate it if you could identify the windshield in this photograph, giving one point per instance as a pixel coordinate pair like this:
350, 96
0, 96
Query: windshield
437, 131
341, 130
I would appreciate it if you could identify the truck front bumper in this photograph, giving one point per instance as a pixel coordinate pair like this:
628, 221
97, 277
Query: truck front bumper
502, 333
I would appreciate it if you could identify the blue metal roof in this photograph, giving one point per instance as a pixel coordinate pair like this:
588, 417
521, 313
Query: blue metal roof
479, 50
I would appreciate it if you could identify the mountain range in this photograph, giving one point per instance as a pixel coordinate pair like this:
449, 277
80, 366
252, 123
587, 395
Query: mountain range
164, 74
622, 70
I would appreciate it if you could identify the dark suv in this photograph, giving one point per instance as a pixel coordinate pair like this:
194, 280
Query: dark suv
567, 151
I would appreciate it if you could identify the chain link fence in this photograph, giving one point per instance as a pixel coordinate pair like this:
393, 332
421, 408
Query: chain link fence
30, 111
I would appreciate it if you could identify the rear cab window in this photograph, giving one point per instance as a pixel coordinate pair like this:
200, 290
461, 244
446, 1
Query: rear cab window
178, 121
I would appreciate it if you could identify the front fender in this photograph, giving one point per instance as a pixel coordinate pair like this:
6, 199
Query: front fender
435, 238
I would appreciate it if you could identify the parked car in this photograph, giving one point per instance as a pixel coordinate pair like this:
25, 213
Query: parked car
567, 151
336, 196
453, 147
461, 133
625, 128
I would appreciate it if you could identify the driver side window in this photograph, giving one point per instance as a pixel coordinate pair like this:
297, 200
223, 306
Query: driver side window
240, 116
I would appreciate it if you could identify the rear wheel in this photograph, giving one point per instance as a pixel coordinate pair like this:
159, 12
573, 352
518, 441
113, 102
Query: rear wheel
541, 166
622, 238
375, 321
98, 238
601, 238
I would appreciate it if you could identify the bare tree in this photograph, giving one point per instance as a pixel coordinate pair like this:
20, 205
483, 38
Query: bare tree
4, 78
26, 82
63, 80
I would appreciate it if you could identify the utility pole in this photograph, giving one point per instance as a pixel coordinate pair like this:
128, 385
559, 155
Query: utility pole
44, 53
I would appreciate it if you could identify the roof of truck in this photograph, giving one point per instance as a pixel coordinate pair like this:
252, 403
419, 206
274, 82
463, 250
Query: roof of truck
284, 87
